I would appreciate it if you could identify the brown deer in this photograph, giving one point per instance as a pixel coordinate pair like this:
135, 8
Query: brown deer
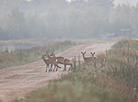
93, 54
86, 59
53, 61
67, 62
98, 60
47, 61
61, 60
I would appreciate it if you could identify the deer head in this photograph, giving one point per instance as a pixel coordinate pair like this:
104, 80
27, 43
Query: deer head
47, 54
83, 53
92, 54
52, 54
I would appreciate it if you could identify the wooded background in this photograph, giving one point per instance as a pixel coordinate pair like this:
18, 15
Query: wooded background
51, 19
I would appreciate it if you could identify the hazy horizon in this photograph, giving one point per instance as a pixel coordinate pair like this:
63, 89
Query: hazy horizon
116, 2
131, 2
60, 19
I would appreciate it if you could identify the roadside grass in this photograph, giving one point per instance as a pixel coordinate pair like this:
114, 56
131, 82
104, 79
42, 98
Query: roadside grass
122, 64
83, 84
117, 82
133, 44
23, 56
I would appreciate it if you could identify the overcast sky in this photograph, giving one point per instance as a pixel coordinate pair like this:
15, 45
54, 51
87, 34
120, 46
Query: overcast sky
132, 2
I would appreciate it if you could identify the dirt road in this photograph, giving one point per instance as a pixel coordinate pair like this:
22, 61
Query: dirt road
17, 81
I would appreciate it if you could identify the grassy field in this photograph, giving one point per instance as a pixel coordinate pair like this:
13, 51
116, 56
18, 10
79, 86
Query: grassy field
82, 85
23, 56
12, 45
117, 82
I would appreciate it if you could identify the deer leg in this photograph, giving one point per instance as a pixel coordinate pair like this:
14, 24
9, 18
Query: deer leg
95, 66
87, 63
54, 68
46, 67
57, 67
70, 67
101, 65
64, 67
51, 68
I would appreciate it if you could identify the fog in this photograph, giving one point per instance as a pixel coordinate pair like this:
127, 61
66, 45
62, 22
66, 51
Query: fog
59, 19
131, 2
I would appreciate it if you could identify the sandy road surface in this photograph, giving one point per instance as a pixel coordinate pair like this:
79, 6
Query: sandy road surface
17, 81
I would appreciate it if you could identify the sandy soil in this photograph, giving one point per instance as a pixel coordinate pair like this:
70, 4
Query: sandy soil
17, 81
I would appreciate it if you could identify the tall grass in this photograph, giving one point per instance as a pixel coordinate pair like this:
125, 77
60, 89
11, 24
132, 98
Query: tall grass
22, 56
122, 64
82, 85
117, 82
133, 44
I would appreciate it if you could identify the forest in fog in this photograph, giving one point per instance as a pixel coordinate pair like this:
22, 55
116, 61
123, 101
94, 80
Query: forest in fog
52, 19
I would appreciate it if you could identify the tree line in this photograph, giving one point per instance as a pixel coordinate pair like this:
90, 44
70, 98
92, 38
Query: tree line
60, 19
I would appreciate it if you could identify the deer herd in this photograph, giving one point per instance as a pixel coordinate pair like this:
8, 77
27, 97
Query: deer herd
53, 60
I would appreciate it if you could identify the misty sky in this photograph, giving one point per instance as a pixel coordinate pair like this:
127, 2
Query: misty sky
132, 2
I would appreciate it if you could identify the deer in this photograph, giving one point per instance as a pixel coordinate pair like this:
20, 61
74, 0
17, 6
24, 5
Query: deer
47, 61
53, 61
86, 59
59, 59
63, 61
97, 60
67, 62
